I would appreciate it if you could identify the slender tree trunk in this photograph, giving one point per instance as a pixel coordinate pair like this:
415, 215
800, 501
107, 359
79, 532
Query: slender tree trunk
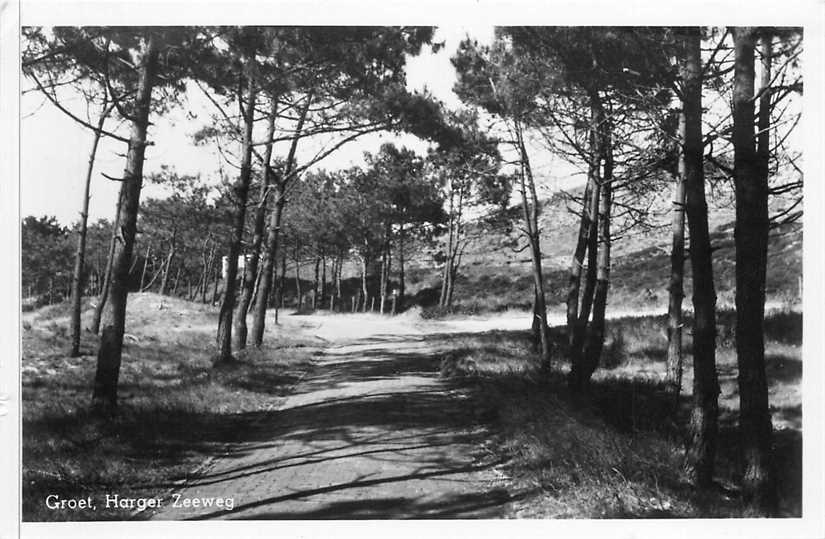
154, 278
80, 254
448, 260
241, 190
107, 277
164, 283
451, 282
281, 285
402, 286
315, 283
145, 265
177, 280
299, 294
586, 227
595, 342
255, 290
364, 291
215, 284
207, 272
702, 440
445, 283
382, 285
531, 212
110, 351
338, 277
677, 275
751, 239
273, 233
251, 277
323, 280
579, 314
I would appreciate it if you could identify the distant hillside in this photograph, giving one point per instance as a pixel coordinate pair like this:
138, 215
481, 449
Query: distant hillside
495, 276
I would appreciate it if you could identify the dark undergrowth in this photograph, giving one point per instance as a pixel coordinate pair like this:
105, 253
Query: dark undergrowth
174, 411
618, 451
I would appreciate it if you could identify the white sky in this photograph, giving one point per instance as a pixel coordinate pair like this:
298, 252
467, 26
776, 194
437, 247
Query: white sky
55, 149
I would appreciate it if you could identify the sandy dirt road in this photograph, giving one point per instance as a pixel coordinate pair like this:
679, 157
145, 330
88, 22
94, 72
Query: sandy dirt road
371, 432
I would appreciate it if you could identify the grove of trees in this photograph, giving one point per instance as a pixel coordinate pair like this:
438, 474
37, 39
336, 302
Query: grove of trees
639, 111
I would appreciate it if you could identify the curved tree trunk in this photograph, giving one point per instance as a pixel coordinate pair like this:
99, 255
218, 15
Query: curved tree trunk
241, 191
109, 354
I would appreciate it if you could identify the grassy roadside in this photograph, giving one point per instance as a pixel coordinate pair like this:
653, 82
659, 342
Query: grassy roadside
175, 409
618, 452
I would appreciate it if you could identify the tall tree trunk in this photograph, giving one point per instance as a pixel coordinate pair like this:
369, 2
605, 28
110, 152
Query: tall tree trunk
177, 280
445, 282
587, 227
579, 314
254, 293
382, 284
315, 283
531, 212
448, 256
701, 449
299, 294
364, 291
241, 190
110, 351
323, 279
677, 274
107, 276
451, 282
751, 240
207, 272
251, 277
279, 302
80, 254
595, 342
402, 286
217, 278
273, 233
338, 269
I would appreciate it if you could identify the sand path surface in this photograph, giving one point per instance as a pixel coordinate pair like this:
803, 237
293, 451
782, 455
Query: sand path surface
371, 432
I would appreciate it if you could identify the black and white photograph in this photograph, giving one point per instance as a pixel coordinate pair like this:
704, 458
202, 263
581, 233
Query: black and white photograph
465, 271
